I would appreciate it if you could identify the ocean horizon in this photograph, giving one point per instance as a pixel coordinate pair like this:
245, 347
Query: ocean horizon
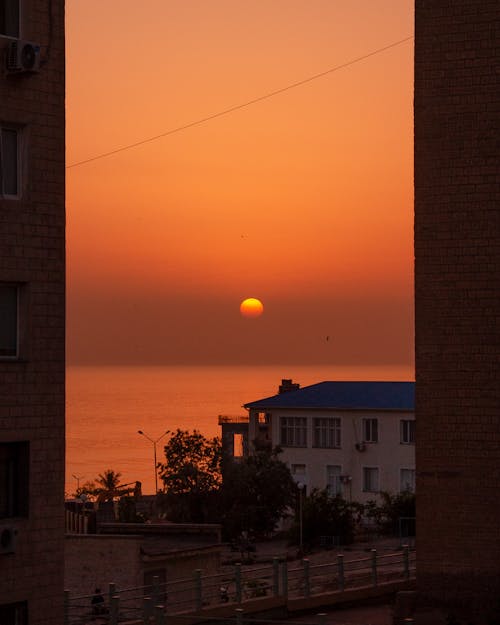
106, 405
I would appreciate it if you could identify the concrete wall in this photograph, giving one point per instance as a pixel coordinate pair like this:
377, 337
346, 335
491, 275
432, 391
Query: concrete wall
457, 201
32, 255
93, 561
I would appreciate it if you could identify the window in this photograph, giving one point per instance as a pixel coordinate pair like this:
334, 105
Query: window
8, 321
293, 431
14, 479
9, 162
370, 480
299, 470
9, 18
333, 480
407, 431
407, 480
238, 445
14, 613
326, 432
370, 430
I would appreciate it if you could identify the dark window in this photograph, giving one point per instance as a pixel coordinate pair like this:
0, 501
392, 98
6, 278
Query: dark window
327, 432
370, 430
14, 613
8, 320
9, 18
9, 162
293, 431
14, 480
407, 431
370, 480
407, 480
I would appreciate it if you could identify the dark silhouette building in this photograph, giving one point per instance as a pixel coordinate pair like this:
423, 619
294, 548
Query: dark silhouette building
457, 200
32, 310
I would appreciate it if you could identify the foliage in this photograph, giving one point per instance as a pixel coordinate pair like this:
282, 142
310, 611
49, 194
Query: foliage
257, 492
105, 487
191, 476
108, 486
87, 489
387, 513
324, 515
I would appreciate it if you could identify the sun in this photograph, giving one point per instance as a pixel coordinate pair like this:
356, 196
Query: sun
251, 307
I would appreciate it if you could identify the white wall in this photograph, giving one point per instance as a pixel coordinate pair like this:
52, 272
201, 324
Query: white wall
389, 455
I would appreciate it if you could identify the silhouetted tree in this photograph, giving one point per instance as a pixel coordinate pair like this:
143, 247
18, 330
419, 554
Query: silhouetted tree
257, 491
108, 486
324, 515
387, 512
191, 475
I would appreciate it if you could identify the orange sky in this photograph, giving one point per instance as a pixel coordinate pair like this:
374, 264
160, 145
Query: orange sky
304, 200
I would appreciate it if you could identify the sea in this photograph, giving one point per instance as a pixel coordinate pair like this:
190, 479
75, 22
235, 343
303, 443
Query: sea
106, 406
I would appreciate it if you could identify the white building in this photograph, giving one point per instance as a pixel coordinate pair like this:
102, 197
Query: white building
354, 438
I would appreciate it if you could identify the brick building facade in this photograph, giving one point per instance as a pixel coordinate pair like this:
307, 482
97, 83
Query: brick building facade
457, 204
32, 309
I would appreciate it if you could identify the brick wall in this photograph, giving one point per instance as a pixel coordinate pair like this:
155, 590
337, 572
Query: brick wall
32, 255
457, 203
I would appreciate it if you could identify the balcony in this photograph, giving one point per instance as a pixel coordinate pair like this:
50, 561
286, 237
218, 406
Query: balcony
232, 419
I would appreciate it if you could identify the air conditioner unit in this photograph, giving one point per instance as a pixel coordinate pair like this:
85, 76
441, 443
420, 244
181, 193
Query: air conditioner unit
8, 539
22, 56
360, 446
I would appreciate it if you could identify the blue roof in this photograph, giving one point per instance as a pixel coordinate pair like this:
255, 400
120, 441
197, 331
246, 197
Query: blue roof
344, 396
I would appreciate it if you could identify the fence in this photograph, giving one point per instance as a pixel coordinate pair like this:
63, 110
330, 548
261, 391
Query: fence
152, 604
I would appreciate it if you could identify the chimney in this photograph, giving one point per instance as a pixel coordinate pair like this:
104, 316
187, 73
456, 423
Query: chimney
288, 385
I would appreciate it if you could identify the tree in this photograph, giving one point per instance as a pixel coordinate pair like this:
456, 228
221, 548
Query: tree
387, 513
87, 489
324, 515
109, 486
257, 491
191, 475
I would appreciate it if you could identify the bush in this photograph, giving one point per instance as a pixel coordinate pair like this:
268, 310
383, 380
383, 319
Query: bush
324, 515
386, 514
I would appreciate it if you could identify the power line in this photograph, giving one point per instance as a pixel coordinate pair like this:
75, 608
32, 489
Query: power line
237, 107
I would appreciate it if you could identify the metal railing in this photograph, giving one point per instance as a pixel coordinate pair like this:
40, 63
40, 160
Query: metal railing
233, 419
238, 585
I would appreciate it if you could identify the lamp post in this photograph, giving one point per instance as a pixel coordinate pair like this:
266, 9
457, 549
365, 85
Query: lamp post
300, 486
154, 447
78, 478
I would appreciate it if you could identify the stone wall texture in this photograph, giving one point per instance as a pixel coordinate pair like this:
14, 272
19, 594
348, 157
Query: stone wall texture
457, 245
32, 256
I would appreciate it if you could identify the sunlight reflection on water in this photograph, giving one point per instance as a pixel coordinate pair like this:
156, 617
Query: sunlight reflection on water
106, 406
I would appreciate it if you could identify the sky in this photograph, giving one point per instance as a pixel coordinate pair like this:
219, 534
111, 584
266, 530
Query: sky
303, 200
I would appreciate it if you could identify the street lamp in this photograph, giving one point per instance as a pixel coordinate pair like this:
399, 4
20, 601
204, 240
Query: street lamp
154, 447
77, 478
300, 486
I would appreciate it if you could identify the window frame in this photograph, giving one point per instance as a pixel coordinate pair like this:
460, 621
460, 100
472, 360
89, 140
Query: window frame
293, 433
17, 34
19, 143
327, 432
368, 487
16, 612
407, 431
370, 430
412, 483
14, 479
337, 481
14, 356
